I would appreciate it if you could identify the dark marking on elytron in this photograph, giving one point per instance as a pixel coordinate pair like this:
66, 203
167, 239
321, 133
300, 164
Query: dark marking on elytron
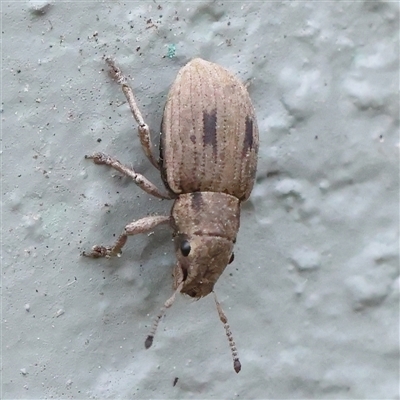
193, 138
197, 201
210, 129
248, 136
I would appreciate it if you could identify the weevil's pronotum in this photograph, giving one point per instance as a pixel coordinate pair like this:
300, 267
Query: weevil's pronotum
208, 160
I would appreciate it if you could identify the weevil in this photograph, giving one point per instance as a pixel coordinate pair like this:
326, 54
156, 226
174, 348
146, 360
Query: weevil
208, 159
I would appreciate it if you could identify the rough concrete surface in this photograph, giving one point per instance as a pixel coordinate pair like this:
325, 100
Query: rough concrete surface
313, 294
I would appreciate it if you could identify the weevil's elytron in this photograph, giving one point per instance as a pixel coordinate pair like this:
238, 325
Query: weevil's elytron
208, 160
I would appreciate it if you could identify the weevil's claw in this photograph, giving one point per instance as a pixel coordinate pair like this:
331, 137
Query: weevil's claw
99, 251
98, 158
115, 71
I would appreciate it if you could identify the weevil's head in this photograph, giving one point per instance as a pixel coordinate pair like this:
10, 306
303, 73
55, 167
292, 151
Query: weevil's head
205, 224
200, 262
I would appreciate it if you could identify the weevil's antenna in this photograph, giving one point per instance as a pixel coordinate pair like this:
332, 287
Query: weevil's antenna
167, 304
236, 363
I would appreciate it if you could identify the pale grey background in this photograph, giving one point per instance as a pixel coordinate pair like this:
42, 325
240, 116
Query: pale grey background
313, 294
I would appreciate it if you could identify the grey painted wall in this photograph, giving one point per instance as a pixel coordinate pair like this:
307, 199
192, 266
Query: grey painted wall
313, 294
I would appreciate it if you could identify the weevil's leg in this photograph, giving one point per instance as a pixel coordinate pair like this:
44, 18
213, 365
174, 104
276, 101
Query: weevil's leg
141, 226
236, 363
139, 179
167, 304
143, 128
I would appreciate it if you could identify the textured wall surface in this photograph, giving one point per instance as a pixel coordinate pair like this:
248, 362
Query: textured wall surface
313, 294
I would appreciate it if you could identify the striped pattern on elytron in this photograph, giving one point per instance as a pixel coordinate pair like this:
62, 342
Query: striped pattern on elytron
220, 153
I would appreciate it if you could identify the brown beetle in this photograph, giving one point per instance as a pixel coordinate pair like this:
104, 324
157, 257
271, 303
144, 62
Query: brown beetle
208, 160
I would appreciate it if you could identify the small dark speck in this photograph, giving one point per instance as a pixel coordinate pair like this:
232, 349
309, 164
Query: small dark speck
175, 381
138, 48
98, 140
18, 71
272, 173
316, 137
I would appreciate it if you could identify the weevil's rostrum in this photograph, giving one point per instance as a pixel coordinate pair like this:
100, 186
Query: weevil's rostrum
208, 160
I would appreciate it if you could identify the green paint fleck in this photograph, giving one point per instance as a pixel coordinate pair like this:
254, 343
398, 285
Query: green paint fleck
171, 51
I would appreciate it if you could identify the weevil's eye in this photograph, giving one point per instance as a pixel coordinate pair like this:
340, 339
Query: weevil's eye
232, 258
185, 248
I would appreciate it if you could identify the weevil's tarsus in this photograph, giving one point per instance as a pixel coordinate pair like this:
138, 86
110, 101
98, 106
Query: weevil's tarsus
143, 128
139, 179
167, 304
115, 72
143, 225
236, 363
